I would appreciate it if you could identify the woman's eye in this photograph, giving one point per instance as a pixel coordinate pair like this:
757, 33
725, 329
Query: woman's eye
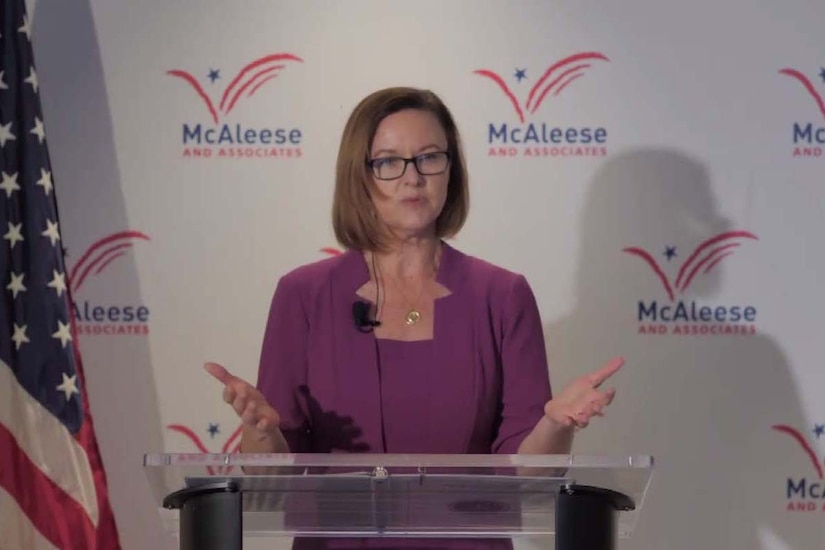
386, 162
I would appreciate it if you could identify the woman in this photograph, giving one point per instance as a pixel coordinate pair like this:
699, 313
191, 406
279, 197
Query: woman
403, 344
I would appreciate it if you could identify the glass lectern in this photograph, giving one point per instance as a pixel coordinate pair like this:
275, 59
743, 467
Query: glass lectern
212, 500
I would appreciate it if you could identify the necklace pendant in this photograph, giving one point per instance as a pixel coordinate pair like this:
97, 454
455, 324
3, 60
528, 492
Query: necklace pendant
412, 317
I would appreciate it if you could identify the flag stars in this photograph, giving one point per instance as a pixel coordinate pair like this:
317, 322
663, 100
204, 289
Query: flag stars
63, 333
38, 130
821, 74
26, 28
214, 74
5, 134
9, 184
58, 282
670, 252
13, 235
19, 337
16, 284
45, 180
520, 74
819, 429
69, 386
32, 79
51, 232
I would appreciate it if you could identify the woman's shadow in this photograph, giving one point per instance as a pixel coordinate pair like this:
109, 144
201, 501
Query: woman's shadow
702, 405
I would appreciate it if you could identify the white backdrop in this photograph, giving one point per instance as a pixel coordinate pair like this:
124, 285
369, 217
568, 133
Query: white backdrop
180, 251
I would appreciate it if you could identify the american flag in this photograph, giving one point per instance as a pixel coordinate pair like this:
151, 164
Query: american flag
52, 484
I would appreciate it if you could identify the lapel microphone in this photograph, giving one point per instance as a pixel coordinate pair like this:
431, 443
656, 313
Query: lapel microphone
361, 316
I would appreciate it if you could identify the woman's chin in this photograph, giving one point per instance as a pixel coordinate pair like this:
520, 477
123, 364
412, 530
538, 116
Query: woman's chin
413, 231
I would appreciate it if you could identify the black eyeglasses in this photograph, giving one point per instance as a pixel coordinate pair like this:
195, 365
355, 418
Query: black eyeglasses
427, 164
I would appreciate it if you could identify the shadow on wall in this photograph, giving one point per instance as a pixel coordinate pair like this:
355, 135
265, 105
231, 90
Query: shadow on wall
91, 205
704, 406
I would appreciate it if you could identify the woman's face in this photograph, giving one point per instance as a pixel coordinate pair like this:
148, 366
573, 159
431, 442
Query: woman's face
410, 204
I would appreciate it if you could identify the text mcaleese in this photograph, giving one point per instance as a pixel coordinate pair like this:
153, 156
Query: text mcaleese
227, 134
693, 313
808, 133
85, 312
543, 133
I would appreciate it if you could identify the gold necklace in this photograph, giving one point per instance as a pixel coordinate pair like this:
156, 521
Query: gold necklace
413, 315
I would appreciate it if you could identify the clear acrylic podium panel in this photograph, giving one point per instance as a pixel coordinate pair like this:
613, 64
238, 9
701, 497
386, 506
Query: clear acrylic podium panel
399, 495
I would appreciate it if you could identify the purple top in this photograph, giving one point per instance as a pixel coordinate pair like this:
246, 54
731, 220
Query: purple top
479, 386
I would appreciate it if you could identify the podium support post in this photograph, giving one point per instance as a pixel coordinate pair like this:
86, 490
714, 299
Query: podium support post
210, 516
586, 517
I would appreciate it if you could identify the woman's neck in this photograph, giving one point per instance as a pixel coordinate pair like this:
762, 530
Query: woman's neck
411, 258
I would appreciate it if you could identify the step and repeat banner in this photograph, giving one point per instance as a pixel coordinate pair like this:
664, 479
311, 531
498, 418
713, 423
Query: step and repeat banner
655, 169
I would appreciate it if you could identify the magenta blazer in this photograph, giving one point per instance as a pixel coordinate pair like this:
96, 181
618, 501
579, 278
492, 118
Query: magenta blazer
478, 387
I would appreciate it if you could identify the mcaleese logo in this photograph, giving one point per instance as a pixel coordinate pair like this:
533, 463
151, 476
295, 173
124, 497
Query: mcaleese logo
672, 314
530, 134
221, 137
805, 493
808, 137
106, 319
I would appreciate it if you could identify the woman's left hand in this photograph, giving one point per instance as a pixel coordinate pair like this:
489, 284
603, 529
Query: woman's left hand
582, 399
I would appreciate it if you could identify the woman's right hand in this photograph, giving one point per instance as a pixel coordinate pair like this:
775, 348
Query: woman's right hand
256, 414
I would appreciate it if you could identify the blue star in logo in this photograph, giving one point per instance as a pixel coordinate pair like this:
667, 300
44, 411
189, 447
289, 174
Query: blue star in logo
819, 430
214, 74
822, 74
521, 74
670, 252
213, 429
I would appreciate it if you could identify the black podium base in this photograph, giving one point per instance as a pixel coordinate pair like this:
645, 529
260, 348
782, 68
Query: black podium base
210, 516
586, 517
